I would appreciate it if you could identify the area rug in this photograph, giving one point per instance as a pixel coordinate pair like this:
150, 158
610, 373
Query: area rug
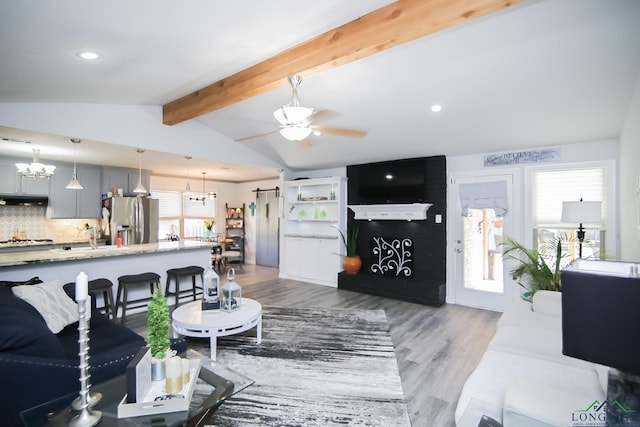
315, 367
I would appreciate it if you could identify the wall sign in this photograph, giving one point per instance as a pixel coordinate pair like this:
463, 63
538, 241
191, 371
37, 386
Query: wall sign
520, 157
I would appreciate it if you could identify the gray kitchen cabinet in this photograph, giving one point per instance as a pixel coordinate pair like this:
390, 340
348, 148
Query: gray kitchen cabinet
89, 202
12, 183
35, 186
85, 203
124, 178
8, 177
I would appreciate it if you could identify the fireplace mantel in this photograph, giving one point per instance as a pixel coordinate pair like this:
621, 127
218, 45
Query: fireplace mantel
404, 211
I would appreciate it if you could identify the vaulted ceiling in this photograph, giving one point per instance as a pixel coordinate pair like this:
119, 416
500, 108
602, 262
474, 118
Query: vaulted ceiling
536, 73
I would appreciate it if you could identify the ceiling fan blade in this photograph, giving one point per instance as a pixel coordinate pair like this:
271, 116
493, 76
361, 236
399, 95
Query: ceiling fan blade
246, 138
323, 116
350, 133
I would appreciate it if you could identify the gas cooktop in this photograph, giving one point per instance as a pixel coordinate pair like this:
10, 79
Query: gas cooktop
24, 242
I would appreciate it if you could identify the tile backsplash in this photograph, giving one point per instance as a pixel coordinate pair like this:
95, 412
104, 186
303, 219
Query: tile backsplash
30, 222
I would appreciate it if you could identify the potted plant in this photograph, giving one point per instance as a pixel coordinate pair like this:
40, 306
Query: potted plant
158, 333
533, 272
352, 262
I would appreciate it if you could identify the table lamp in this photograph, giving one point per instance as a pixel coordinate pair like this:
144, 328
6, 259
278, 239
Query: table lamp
600, 324
581, 212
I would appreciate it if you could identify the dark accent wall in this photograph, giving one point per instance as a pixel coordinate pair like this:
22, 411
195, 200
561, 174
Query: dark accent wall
427, 283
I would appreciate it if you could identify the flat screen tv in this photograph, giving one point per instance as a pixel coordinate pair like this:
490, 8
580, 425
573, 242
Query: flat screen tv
400, 181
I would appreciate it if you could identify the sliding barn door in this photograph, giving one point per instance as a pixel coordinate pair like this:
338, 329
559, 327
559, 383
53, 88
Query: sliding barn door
267, 225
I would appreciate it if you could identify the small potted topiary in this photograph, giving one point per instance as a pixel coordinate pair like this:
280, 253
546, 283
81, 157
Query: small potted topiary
158, 333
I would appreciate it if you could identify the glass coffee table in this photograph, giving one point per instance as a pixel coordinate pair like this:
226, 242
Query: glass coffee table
215, 384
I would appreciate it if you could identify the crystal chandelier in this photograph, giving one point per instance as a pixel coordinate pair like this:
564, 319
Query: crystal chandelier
35, 169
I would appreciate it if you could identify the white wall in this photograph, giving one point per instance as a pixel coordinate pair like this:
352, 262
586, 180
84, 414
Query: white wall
138, 126
630, 181
570, 153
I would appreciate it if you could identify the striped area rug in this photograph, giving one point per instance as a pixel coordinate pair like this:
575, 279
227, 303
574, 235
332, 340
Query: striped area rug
315, 367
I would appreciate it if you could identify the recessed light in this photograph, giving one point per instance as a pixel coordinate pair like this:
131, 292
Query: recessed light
436, 108
85, 54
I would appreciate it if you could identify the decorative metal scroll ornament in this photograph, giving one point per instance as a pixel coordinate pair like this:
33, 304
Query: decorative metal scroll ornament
392, 256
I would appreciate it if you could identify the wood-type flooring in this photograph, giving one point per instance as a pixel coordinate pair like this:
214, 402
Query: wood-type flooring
436, 347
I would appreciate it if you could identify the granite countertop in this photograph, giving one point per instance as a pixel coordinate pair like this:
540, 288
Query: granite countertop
85, 252
312, 236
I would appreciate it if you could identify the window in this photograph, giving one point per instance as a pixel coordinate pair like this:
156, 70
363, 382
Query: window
550, 189
182, 217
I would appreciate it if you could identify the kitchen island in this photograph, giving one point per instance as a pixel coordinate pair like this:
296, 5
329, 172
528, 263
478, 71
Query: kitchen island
108, 262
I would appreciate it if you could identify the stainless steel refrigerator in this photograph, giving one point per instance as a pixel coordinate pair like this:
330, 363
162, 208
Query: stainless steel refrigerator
135, 218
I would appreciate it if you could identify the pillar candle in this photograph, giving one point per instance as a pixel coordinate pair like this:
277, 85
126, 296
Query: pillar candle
174, 375
82, 287
186, 369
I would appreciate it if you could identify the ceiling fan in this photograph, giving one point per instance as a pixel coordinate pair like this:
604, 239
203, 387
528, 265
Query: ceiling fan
297, 123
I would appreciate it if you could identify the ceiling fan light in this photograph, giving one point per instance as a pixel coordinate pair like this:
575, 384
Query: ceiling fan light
48, 169
287, 115
295, 133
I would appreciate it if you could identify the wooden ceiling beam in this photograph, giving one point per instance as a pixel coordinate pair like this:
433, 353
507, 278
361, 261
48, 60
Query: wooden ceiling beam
384, 28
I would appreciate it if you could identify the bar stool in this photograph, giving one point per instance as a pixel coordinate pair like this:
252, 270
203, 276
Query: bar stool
218, 262
176, 273
95, 287
124, 282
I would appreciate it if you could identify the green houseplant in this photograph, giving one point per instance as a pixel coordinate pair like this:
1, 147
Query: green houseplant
352, 262
533, 272
158, 331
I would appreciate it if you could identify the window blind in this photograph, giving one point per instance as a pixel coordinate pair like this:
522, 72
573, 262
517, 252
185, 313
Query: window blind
194, 209
551, 188
170, 205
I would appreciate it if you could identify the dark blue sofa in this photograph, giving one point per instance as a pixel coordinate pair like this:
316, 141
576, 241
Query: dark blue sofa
37, 365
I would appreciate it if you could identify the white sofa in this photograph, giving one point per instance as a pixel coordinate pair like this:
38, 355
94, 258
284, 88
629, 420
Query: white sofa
523, 379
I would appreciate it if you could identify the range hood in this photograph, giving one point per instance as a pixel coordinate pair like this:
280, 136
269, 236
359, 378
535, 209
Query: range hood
405, 211
14, 200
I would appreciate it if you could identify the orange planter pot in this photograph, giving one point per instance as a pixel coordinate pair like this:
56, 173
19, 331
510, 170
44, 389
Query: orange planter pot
352, 264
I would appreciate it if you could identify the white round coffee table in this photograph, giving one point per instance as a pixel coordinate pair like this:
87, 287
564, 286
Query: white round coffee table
189, 320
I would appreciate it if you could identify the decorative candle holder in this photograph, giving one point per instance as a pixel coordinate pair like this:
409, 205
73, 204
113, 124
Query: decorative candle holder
231, 297
86, 417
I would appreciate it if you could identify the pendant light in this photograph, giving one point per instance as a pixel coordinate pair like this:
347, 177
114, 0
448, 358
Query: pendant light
140, 188
203, 197
74, 184
187, 189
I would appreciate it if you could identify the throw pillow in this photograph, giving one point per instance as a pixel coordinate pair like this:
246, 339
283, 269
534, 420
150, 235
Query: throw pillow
52, 302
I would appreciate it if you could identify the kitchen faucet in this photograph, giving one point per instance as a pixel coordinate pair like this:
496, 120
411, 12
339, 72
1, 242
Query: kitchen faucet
93, 237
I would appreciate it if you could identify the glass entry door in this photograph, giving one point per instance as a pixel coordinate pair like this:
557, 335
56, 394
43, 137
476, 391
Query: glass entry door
480, 221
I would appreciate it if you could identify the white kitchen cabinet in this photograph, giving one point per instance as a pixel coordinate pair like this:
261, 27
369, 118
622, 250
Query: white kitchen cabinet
314, 210
85, 203
312, 259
